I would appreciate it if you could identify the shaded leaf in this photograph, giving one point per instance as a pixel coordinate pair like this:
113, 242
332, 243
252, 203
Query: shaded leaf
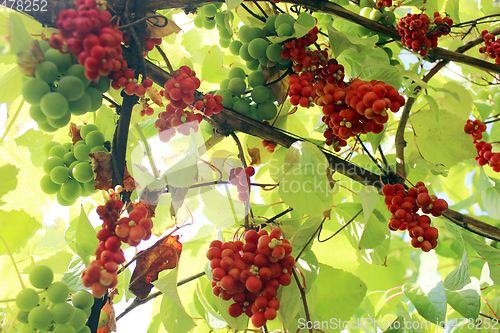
85, 234
163, 255
9, 174
339, 42
153, 31
155, 96
280, 88
19, 38
29, 59
467, 300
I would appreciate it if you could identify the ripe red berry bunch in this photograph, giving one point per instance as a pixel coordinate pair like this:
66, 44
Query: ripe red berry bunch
295, 49
420, 34
302, 90
241, 178
176, 120
405, 205
210, 105
382, 3
492, 46
486, 156
125, 78
271, 146
180, 90
475, 129
149, 44
250, 273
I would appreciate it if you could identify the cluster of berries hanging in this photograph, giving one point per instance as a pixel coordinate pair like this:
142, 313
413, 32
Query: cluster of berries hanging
420, 34
492, 46
179, 91
485, 155
241, 178
101, 274
405, 205
382, 3
295, 49
250, 273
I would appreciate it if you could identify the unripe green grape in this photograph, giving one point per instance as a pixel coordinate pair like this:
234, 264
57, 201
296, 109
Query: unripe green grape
78, 71
208, 23
59, 122
366, 3
58, 292
95, 98
99, 148
242, 106
198, 21
234, 47
237, 86
88, 312
284, 30
40, 317
103, 319
388, 18
257, 32
270, 24
224, 84
68, 146
48, 146
33, 90
44, 45
27, 299
381, 37
483, 94
253, 64
79, 319
54, 105
62, 60
94, 138
69, 158
81, 152
83, 173
72, 166
284, 19
246, 34
237, 72
366, 11
209, 10
62, 201
244, 53
71, 87
260, 94
223, 32
254, 114
496, 98
103, 84
257, 48
46, 71
227, 97
84, 193
209, 128
85, 329
41, 276
220, 18
59, 174
70, 190
267, 111
44, 126
82, 300
58, 151
86, 129
273, 52
493, 90
375, 14
256, 78
62, 312
48, 186
264, 61
22, 316
26, 328
224, 42
281, 67
272, 98
51, 163
64, 328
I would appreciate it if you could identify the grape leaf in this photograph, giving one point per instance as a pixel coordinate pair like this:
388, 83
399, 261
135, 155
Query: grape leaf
339, 42
19, 38
9, 174
16, 228
467, 300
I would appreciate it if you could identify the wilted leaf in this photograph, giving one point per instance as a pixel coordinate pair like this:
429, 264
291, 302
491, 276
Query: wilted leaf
29, 59
110, 311
254, 155
74, 133
153, 31
103, 170
155, 96
128, 181
163, 255
280, 88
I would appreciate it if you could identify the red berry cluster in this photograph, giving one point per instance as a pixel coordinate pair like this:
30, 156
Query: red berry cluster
101, 273
475, 129
382, 3
271, 146
486, 156
179, 120
210, 105
492, 48
180, 90
302, 90
149, 44
240, 177
361, 108
250, 273
295, 49
419, 34
124, 78
405, 205
134, 228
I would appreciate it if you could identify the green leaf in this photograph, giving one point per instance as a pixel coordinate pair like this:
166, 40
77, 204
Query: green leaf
204, 308
304, 234
305, 186
20, 39
375, 69
396, 326
13, 80
433, 105
85, 234
335, 286
73, 276
33, 140
432, 136
373, 302
452, 8
211, 68
466, 301
491, 201
484, 109
239, 323
460, 276
16, 228
491, 254
9, 174
304, 23
105, 120
374, 233
339, 42
376, 139
232, 4
369, 197
58, 262
290, 304
173, 315
486, 6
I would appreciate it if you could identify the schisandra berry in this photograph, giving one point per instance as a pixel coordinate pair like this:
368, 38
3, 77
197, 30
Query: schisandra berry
492, 46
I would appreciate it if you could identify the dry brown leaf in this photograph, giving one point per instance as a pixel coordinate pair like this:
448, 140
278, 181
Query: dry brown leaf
164, 255
254, 156
74, 133
29, 59
128, 181
155, 96
280, 88
110, 311
160, 32
103, 170
141, 203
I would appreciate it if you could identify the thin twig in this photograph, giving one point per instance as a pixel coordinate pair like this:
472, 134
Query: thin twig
165, 58
310, 240
241, 155
252, 13
13, 262
342, 228
304, 300
123, 27
371, 156
260, 8
116, 105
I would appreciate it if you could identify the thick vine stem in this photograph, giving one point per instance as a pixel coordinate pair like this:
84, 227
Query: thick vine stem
228, 121
303, 296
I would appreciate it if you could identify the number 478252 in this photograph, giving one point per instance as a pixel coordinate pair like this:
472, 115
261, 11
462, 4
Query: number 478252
24, 5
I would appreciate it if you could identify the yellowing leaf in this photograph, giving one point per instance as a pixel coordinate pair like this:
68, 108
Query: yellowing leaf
153, 31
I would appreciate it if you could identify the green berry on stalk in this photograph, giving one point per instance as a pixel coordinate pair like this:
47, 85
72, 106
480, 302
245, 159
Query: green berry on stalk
210, 10
62, 312
237, 86
46, 71
237, 72
234, 47
256, 78
41, 276
64, 328
51, 163
257, 48
284, 30
59, 122
208, 24
260, 94
62, 60
86, 129
71, 88
95, 97
375, 14
78, 71
48, 186
388, 18
59, 175
94, 138
33, 90
82, 300
70, 190
79, 319
267, 110
284, 19
54, 105
27, 299
40, 318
